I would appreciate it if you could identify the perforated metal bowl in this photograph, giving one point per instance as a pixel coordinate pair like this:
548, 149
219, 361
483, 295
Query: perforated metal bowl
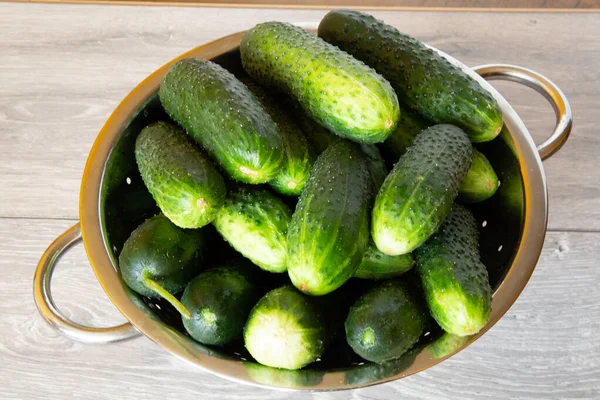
113, 201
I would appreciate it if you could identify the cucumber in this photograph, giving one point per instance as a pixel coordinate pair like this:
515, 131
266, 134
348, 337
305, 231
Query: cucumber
377, 265
319, 137
285, 330
422, 78
159, 259
409, 126
454, 279
298, 160
185, 184
255, 223
219, 301
446, 345
329, 231
376, 166
481, 181
385, 322
338, 91
417, 195
225, 118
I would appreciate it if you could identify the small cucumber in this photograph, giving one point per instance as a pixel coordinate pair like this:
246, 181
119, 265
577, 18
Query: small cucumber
159, 259
329, 231
377, 265
417, 195
338, 91
225, 118
298, 160
255, 222
455, 281
385, 322
184, 183
219, 301
285, 330
422, 78
481, 181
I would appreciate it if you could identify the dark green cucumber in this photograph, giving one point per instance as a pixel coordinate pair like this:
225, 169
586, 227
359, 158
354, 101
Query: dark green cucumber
329, 231
409, 126
376, 166
338, 91
417, 195
422, 78
184, 183
220, 301
159, 259
285, 330
255, 222
225, 118
318, 136
298, 159
454, 279
385, 322
377, 265
481, 181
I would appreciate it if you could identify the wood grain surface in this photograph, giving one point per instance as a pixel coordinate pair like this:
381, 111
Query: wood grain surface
64, 68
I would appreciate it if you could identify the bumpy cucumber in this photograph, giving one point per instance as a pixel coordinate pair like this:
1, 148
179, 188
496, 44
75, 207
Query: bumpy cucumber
329, 231
481, 181
225, 118
385, 322
285, 330
409, 126
377, 265
417, 195
184, 183
255, 223
422, 78
298, 159
340, 92
454, 279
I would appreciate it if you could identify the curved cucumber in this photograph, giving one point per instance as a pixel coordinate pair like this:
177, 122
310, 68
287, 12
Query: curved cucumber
377, 265
285, 330
298, 161
159, 259
225, 118
329, 230
255, 223
417, 195
385, 322
455, 281
422, 78
184, 183
340, 92
219, 301
481, 181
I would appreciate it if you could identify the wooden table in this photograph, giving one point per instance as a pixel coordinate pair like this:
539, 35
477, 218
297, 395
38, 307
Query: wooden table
63, 68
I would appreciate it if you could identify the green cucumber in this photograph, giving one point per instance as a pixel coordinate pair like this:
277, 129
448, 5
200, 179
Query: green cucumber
417, 195
319, 137
338, 91
454, 279
422, 78
255, 223
329, 231
159, 259
184, 183
225, 118
385, 322
285, 330
481, 181
376, 166
298, 160
219, 301
377, 265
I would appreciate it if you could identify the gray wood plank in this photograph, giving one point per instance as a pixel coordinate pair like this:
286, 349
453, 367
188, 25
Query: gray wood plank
64, 68
547, 346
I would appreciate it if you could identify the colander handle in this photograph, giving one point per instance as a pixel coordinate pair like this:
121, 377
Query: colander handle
45, 304
543, 85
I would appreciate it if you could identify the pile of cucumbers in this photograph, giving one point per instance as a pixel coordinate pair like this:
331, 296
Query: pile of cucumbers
284, 162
